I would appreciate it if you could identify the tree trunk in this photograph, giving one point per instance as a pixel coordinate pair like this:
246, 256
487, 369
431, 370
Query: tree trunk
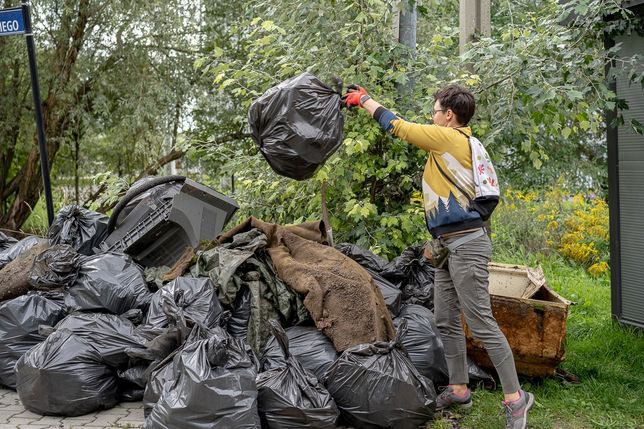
26, 186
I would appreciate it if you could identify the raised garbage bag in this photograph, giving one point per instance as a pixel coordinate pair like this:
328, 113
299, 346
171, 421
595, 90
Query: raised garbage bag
311, 348
19, 322
214, 387
195, 297
6, 241
376, 386
416, 275
78, 227
291, 397
425, 347
297, 125
65, 376
54, 268
109, 282
17, 249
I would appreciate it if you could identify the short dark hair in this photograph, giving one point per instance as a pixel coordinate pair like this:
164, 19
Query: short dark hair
459, 100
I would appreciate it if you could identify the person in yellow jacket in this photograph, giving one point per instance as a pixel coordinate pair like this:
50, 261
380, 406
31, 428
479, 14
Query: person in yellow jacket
453, 218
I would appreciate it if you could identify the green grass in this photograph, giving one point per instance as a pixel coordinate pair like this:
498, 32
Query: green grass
608, 359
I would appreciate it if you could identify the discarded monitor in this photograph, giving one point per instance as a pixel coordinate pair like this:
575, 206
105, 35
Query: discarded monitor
156, 232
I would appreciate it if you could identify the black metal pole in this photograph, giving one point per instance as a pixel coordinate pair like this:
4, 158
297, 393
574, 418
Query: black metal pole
35, 89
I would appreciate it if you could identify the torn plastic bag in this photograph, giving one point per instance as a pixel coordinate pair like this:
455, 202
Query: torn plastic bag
376, 386
18, 249
214, 387
291, 397
416, 275
425, 348
19, 322
78, 227
297, 125
65, 375
6, 241
311, 347
109, 282
54, 268
196, 297
110, 335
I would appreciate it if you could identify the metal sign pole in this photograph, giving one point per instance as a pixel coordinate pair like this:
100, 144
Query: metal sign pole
35, 89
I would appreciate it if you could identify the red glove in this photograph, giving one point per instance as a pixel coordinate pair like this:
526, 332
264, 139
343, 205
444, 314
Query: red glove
353, 96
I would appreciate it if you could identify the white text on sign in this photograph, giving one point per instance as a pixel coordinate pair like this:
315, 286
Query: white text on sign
9, 26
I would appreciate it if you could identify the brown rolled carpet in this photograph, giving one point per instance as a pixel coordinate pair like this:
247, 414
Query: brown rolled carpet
340, 295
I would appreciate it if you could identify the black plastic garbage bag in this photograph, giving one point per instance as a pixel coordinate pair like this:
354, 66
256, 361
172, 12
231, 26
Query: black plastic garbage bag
65, 375
291, 397
110, 335
214, 387
18, 249
391, 295
425, 348
78, 227
6, 241
109, 282
297, 125
19, 322
54, 268
312, 348
423, 343
195, 297
162, 373
416, 275
363, 257
376, 386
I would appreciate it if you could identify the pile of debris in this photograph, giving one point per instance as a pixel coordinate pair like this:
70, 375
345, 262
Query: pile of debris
266, 326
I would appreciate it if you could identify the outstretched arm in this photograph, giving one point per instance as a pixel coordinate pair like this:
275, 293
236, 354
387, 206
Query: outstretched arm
426, 137
357, 96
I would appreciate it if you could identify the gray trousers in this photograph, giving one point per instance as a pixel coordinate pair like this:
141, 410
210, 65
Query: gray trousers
464, 286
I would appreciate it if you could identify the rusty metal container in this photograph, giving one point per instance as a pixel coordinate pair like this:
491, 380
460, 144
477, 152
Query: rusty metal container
531, 315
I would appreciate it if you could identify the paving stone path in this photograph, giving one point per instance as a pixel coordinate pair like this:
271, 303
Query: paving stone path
127, 415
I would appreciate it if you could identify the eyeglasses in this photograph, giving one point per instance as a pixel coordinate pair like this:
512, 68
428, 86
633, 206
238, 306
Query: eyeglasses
433, 112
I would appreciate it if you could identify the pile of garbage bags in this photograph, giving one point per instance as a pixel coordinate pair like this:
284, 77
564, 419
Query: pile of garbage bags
233, 342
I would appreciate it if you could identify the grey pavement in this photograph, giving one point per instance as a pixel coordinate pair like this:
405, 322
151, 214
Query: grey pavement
127, 415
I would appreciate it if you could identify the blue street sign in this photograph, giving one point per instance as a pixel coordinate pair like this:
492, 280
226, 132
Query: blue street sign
11, 22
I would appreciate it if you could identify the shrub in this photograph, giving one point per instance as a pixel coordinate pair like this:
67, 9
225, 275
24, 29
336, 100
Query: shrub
575, 226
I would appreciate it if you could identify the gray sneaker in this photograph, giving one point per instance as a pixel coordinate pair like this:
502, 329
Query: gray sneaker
516, 412
448, 399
